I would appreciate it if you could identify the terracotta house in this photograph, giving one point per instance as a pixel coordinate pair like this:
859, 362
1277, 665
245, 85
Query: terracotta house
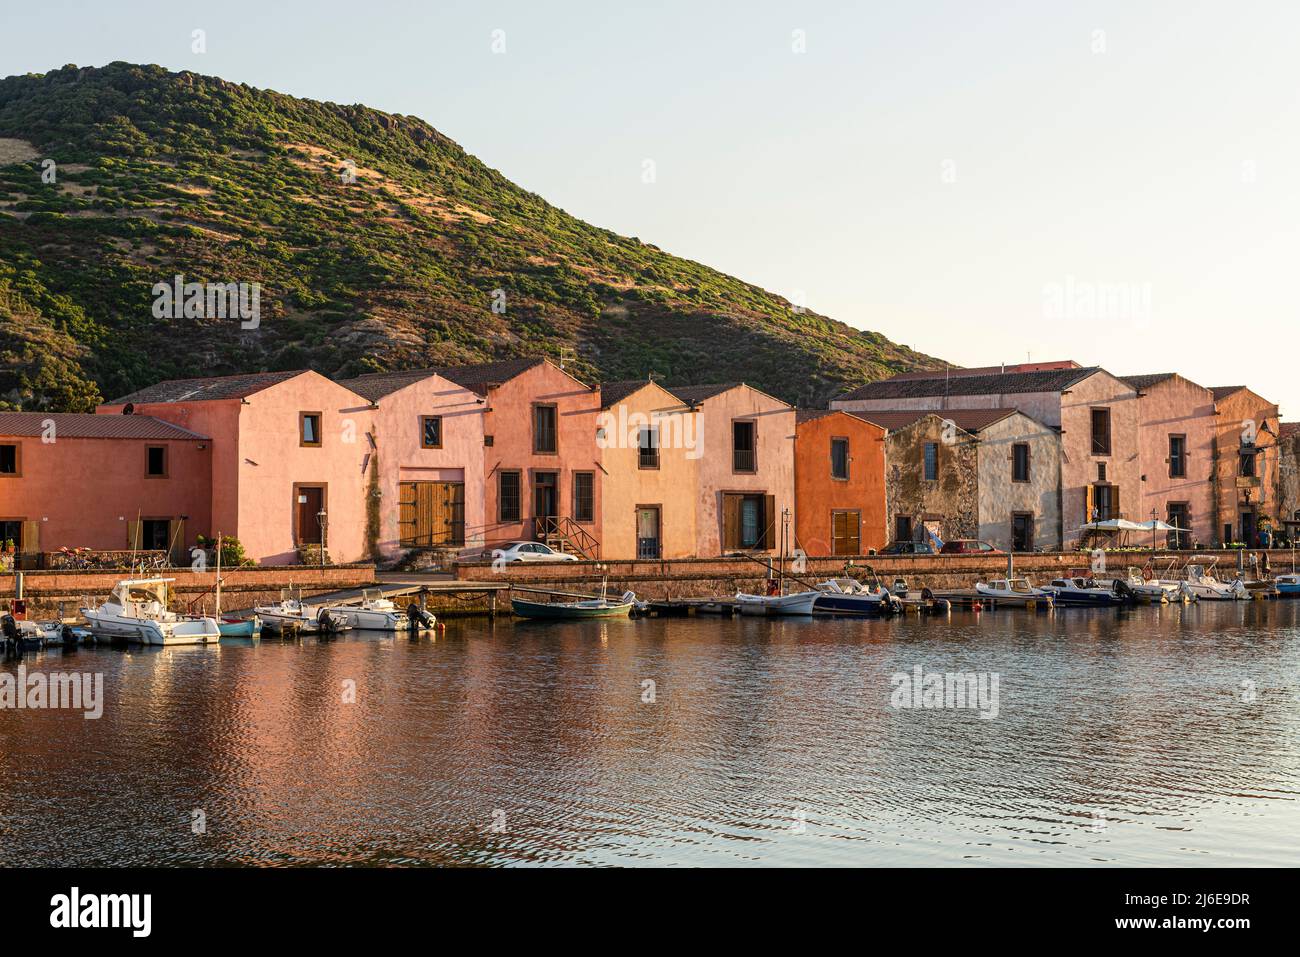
1246, 473
650, 457
1177, 429
839, 483
1289, 479
429, 474
542, 470
1095, 413
105, 482
291, 458
745, 494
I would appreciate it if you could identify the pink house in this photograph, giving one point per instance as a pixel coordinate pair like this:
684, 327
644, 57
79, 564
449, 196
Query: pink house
106, 482
292, 459
745, 492
428, 434
542, 465
1176, 442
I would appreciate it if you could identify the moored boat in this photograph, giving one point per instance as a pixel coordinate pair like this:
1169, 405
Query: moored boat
1204, 586
137, 611
291, 614
796, 603
233, 626
1085, 591
1288, 585
377, 613
1014, 591
602, 607
849, 597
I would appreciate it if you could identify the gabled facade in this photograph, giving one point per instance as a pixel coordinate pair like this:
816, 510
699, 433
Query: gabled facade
1095, 412
109, 483
1177, 430
1019, 483
428, 489
1246, 473
650, 460
1289, 479
543, 476
839, 476
286, 447
745, 493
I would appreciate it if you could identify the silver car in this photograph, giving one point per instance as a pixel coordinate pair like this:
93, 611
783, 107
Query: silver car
529, 552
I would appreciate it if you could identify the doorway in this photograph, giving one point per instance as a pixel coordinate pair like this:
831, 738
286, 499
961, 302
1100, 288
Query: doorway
1248, 528
546, 501
309, 503
1022, 532
431, 513
648, 543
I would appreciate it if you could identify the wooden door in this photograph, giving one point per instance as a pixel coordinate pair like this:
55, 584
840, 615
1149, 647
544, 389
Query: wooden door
310, 500
845, 526
431, 513
647, 532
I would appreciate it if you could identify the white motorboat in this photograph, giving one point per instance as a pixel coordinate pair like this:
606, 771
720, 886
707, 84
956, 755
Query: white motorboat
798, 603
1085, 591
1204, 586
848, 596
1151, 590
291, 613
137, 611
1013, 591
377, 613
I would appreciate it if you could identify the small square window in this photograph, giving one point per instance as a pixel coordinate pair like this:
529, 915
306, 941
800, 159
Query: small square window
8, 460
309, 428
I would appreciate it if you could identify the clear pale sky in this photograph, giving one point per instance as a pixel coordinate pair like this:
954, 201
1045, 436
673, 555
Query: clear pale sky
937, 171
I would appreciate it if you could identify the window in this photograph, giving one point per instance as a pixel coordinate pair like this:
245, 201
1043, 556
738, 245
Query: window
9, 460
903, 528
845, 526
584, 500
430, 431
156, 461
648, 444
1246, 464
840, 465
1105, 502
931, 461
1020, 462
11, 530
748, 520
1101, 471
309, 429
154, 533
1101, 431
743, 458
544, 437
1180, 517
1022, 532
508, 496
1177, 456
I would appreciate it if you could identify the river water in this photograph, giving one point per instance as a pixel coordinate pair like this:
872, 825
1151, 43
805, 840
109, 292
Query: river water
1147, 736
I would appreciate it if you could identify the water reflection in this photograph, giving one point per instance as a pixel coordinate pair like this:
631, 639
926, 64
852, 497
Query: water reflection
1156, 735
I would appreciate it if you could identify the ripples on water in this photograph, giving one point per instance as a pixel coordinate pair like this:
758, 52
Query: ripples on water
1122, 738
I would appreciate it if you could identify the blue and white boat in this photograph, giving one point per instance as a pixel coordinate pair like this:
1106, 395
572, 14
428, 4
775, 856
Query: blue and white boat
1083, 591
1288, 585
848, 596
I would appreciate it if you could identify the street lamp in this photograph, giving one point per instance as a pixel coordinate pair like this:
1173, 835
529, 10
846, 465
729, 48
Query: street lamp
323, 520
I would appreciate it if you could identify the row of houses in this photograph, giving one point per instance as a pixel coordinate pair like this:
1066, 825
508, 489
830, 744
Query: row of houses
465, 458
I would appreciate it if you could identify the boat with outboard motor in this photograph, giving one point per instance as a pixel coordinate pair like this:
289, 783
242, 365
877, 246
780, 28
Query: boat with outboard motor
137, 611
1014, 591
376, 613
1205, 586
850, 597
1087, 591
291, 614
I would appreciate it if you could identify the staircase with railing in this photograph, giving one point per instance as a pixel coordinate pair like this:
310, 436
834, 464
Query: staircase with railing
563, 534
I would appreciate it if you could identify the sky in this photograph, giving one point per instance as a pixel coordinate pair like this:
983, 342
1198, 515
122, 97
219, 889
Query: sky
986, 182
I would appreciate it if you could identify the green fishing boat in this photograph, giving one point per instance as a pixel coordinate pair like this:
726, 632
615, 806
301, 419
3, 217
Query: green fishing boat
587, 608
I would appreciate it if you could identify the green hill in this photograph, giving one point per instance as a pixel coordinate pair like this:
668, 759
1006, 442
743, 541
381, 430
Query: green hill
159, 173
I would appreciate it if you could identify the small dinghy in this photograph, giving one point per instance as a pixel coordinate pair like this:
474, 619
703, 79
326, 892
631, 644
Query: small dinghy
232, 626
1288, 585
797, 603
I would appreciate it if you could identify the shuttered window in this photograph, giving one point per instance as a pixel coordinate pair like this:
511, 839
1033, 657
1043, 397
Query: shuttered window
747, 521
1101, 431
508, 497
845, 526
584, 508
544, 436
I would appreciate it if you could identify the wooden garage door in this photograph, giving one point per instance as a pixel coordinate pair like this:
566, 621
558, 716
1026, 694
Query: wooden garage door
432, 513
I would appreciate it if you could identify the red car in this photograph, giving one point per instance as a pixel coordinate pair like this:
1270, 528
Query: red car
969, 546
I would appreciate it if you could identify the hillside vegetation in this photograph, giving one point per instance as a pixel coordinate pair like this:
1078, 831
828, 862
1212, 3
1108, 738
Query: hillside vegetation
378, 243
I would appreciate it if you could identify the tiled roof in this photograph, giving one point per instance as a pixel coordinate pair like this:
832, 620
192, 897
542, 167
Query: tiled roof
375, 385
1144, 382
695, 394
479, 377
206, 389
990, 370
972, 420
808, 415
87, 425
1047, 380
1223, 391
612, 393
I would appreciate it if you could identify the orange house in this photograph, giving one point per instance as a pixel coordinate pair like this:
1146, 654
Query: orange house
105, 482
839, 483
